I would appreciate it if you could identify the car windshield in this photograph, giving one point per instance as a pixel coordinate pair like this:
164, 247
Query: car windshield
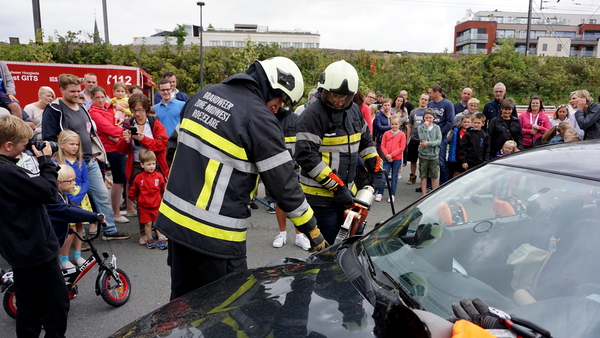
525, 241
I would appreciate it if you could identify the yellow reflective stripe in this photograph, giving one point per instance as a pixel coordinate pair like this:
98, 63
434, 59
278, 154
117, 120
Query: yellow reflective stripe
290, 139
333, 141
201, 228
304, 218
326, 157
316, 191
213, 138
369, 156
209, 179
323, 174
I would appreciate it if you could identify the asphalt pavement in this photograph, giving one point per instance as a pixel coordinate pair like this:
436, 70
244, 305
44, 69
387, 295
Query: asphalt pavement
90, 316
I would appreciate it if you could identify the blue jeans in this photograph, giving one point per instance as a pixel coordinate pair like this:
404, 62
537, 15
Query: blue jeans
329, 221
391, 168
444, 173
99, 194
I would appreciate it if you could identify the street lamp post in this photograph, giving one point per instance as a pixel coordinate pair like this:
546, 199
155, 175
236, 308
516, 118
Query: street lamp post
201, 4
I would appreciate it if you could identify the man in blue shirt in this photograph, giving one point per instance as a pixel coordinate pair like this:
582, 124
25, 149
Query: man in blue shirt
175, 93
167, 110
443, 111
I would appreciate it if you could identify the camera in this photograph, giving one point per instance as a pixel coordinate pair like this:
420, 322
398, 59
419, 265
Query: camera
133, 130
39, 145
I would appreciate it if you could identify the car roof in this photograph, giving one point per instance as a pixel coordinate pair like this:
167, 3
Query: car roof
581, 159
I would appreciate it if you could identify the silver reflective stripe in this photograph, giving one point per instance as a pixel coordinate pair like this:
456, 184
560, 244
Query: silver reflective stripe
304, 136
218, 193
310, 182
342, 148
330, 184
317, 170
215, 154
274, 161
299, 211
335, 161
190, 209
367, 151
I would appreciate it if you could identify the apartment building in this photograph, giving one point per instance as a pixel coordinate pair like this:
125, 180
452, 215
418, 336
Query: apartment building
551, 34
237, 37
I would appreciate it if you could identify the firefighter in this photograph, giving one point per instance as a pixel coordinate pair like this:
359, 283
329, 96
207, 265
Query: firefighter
331, 134
226, 139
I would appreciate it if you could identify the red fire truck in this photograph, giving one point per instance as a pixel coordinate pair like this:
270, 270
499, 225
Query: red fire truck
30, 76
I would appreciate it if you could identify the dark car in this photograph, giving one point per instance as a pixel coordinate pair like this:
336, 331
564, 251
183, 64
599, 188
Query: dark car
521, 232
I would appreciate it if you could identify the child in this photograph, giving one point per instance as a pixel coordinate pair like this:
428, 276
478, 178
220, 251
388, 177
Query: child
147, 190
570, 135
556, 133
120, 103
508, 148
431, 137
475, 145
560, 115
393, 143
63, 211
70, 153
454, 137
28, 242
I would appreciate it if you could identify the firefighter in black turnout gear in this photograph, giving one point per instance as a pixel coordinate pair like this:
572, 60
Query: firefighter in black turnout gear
226, 139
330, 135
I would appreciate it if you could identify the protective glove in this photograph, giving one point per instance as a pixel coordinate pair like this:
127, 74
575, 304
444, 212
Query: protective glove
316, 239
378, 180
342, 196
477, 312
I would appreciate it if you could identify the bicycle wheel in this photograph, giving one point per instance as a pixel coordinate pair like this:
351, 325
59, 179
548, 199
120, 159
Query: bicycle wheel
111, 292
9, 301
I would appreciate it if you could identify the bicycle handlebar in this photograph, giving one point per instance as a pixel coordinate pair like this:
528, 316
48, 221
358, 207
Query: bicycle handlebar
102, 224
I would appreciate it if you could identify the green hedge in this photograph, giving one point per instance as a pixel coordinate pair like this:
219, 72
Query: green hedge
550, 77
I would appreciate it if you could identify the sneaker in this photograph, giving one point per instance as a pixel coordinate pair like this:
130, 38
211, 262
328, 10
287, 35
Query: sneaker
131, 214
412, 179
162, 243
116, 235
121, 219
143, 240
85, 247
280, 240
151, 244
302, 242
253, 205
67, 265
271, 210
378, 197
80, 261
392, 200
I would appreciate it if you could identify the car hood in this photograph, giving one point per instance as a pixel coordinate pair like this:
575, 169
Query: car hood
297, 299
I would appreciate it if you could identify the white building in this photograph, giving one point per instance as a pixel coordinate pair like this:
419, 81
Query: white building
237, 37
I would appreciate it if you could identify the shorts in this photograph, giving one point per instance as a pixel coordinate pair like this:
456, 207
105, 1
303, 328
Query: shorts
413, 151
147, 215
456, 167
429, 168
5, 100
117, 166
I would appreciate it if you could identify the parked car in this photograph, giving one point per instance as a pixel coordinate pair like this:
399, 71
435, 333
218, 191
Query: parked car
521, 232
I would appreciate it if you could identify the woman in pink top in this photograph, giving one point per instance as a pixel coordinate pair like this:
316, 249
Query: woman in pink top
103, 115
534, 122
393, 143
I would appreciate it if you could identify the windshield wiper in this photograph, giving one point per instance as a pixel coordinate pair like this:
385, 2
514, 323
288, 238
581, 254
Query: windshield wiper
404, 293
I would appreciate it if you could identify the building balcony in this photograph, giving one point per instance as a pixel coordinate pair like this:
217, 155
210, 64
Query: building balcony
516, 21
474, 38
473, 51
583, 53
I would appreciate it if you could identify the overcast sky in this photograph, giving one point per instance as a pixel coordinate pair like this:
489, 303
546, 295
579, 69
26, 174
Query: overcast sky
394, 25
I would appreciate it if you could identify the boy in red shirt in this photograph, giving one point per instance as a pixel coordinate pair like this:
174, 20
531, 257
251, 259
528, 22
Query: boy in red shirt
147, 191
